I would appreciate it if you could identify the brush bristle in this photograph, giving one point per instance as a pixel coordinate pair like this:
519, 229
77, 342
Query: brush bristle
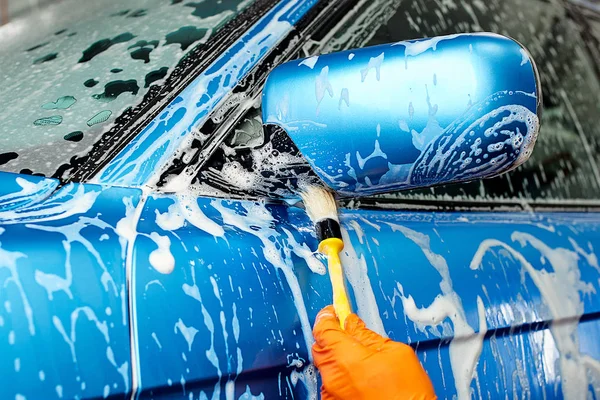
319, 203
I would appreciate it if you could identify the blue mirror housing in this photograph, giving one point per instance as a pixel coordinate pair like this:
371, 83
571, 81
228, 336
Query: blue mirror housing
410, 114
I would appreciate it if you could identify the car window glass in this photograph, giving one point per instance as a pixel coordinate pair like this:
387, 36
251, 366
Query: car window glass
563, 164
65, 81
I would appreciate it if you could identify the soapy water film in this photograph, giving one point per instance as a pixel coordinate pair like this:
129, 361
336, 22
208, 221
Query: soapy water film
459, 152
283, 248
566, 263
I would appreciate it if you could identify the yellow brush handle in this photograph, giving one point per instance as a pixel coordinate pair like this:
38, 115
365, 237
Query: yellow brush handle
331, 248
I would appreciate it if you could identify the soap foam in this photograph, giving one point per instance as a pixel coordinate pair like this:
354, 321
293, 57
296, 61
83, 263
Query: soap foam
466, 345
161, 259
560, 288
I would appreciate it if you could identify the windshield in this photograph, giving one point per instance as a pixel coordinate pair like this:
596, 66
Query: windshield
67, 71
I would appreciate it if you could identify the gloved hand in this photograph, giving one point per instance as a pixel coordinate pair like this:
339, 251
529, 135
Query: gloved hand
357, 363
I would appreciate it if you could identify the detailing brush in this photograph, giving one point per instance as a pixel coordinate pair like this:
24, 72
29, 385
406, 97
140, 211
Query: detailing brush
322, 210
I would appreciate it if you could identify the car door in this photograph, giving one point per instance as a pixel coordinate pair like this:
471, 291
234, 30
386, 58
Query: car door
492, 282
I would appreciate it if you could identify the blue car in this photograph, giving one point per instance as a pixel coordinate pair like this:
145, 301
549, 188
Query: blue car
150, 247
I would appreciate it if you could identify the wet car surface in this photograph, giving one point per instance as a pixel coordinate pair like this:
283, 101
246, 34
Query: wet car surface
151, 265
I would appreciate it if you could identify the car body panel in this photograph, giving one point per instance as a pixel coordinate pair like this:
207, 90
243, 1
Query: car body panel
244, 290
224, 308
64, 321
224, 294
21, 191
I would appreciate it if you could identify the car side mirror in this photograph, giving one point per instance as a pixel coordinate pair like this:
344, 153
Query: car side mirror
409, 114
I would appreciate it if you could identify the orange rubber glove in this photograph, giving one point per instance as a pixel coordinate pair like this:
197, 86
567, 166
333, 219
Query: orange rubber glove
357, 363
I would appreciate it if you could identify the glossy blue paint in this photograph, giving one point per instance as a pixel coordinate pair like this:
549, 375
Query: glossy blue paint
234, 318
64, 329
237, 309
140, 161
409, 114
221, 296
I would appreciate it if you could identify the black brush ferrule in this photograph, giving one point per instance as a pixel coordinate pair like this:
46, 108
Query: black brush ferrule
328, 228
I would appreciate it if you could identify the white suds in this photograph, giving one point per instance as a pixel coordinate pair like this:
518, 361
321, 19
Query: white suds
466, 345
310, 62
161, 259
560, 289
